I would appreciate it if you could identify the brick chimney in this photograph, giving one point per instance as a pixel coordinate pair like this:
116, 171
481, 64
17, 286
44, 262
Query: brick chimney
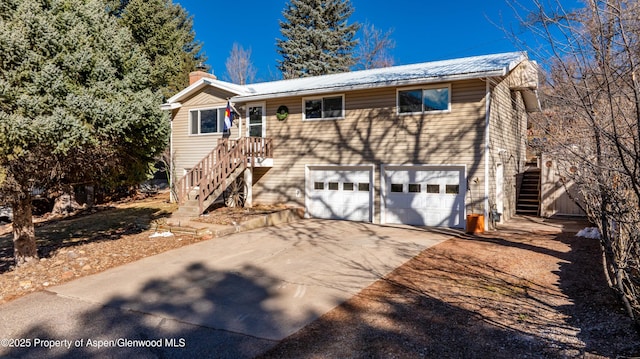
197, 75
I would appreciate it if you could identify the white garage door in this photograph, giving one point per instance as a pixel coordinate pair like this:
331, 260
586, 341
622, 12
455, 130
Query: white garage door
340, 193
425, 196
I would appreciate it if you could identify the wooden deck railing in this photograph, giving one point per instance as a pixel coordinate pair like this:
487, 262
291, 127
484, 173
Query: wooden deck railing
215, 168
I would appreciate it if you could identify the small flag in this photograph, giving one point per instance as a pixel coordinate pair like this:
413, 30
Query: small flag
228, 119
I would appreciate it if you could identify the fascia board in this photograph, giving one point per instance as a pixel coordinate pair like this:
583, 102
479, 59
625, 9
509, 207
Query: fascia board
200, 84
186, 91
409, 82
170, 106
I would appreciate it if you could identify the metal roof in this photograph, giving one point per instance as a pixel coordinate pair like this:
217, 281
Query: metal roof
435, 71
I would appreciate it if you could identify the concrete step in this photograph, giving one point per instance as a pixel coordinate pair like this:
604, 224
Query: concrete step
191, 207
183, 225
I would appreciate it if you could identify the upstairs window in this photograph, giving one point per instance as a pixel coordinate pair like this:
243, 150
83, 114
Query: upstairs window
424, 100
324, 108
203, 121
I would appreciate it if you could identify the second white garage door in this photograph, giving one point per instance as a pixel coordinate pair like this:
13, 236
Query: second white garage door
424, 195
340, 193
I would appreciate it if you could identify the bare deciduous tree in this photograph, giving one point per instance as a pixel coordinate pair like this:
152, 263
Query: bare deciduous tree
592, 121
374, 49
240, 69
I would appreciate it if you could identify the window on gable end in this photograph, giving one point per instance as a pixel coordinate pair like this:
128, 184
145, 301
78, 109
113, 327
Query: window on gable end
206, 121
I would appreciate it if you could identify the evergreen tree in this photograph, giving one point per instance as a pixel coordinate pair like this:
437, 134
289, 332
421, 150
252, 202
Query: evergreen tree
75, 104
165, 33
317, 38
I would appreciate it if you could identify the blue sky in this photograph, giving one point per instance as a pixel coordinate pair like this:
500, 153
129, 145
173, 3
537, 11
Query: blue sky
423, 30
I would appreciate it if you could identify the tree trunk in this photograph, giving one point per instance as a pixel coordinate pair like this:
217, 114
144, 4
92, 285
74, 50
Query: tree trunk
24, 236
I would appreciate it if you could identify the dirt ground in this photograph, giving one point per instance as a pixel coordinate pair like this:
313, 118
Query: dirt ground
92, 241
526, 291
522, 292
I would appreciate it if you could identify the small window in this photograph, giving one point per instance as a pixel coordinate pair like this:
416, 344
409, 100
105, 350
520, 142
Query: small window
414, 188
333, 186
410, 101
205, 121
396, 187
312, 109
347, 186
452, 189
363, 187
318, 185
324, 108
433, 188
424, 100
332, 107
435, 99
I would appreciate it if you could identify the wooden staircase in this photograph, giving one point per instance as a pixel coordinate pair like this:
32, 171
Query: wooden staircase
206, 181
529, 196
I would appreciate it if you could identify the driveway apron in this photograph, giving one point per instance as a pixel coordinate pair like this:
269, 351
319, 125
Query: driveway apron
248, 289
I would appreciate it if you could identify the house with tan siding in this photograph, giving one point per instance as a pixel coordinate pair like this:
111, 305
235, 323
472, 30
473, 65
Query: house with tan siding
422, 144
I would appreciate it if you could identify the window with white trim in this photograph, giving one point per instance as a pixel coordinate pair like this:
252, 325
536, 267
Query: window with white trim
323, 108
204, 121
424, 100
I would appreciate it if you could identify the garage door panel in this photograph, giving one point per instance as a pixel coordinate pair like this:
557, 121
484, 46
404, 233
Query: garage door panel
408, 201
340, 194
431, 196
424, 175
359, 213
405, 216
317, 205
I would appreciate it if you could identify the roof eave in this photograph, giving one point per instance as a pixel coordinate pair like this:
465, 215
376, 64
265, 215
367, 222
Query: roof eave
189, 89
365, 86
170, 106
198, 85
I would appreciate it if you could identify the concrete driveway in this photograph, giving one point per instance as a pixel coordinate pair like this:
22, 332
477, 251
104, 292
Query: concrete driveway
229, 297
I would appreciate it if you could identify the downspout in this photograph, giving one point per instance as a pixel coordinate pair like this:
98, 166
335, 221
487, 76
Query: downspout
172, 197
487, 147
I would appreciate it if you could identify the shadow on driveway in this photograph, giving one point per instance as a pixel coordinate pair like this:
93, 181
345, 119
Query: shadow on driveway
529, 291
230, 297
144, 326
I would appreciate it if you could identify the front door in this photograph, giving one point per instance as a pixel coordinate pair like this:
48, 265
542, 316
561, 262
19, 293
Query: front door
256, 120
